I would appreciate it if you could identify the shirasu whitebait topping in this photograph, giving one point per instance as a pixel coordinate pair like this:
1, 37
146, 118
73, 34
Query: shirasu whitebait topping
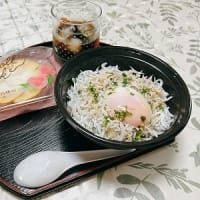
120, 105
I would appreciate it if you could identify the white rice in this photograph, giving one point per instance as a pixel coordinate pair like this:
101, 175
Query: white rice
90, 111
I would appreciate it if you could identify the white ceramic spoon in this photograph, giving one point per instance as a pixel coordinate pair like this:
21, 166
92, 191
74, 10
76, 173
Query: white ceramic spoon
44, 167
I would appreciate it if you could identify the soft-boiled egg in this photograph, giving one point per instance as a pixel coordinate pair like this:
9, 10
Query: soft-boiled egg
133, 103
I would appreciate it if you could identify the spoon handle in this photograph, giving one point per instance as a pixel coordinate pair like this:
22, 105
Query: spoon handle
81, 157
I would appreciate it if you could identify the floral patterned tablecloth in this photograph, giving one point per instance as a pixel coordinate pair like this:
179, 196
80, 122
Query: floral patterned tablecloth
169, 29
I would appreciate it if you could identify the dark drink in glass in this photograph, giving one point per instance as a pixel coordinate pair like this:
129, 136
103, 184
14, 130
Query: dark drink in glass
76, 33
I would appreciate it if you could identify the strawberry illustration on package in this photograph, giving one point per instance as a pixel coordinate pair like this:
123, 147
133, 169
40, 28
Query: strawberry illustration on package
44, 77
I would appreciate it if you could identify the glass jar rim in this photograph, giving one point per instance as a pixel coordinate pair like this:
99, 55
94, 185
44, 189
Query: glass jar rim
73, 3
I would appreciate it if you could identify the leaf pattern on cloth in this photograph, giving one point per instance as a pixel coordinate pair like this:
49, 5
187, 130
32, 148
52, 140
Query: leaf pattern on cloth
126, 179
127, 193
174, 177
168, 12
196, 155
196, 122
123, 192
99, 179
154, 190
174, 145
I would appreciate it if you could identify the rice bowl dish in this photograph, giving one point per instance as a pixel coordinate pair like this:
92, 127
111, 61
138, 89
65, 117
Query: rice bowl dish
120, 105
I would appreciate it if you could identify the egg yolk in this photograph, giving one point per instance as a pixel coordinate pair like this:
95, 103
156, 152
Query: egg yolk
137, 110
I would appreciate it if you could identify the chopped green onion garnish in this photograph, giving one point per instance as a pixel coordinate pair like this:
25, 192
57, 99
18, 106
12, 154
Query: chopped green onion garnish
122, 114
145, 90
93, 91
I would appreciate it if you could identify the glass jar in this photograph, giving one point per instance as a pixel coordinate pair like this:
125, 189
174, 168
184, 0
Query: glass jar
76, 27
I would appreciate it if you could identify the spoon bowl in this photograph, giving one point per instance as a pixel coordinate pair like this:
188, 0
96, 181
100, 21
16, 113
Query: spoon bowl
44, 167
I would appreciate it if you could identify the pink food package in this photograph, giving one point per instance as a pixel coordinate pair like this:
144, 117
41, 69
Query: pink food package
27, 81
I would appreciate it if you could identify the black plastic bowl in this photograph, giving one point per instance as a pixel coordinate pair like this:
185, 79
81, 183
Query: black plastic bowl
180, 104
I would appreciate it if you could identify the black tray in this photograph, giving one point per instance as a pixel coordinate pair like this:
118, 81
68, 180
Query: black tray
46, 130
